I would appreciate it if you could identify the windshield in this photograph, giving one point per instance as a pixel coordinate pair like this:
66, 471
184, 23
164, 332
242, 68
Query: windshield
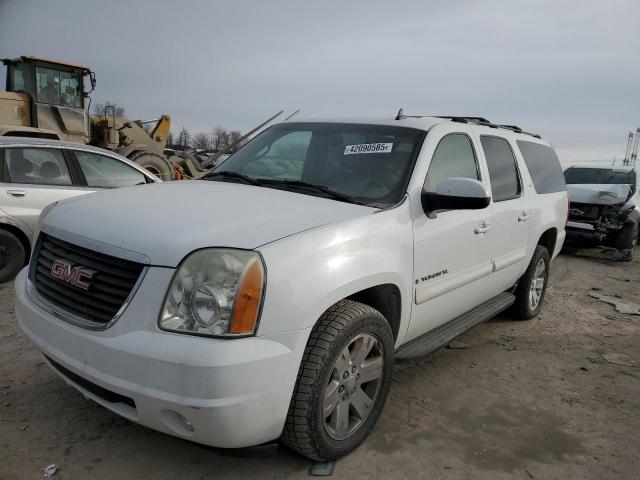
58, 87
597, 176
367, 164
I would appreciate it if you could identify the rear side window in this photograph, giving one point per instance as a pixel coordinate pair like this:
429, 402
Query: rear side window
107, 172
503, 172
453, 157
39, 166
544, 167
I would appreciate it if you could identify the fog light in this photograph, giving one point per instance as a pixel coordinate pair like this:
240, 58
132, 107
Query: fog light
177, 423
185, 423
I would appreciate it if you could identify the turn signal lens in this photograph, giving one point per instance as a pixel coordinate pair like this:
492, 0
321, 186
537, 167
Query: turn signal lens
247, 304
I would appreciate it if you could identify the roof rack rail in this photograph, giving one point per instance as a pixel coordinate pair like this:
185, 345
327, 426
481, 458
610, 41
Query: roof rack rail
487, 123
515, 128
465, 119
476, 120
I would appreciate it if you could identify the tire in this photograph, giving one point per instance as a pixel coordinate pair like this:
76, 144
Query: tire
627, 239
525, 308
152, 162
347, 326
12, 256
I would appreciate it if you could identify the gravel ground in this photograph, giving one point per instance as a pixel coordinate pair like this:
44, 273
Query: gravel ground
557, 397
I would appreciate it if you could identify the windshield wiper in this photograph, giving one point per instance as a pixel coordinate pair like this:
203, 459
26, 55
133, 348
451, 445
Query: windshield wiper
310, 186
234, 176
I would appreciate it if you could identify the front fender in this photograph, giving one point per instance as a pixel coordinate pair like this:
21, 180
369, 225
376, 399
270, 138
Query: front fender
6, 219
310, 271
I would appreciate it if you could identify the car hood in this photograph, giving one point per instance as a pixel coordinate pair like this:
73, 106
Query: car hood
167, 221
599, 194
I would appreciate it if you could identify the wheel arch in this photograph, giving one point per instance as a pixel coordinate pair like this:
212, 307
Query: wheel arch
21, 236
548, 240
387, 299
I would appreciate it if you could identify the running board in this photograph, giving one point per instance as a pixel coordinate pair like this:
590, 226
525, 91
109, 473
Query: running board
442, 335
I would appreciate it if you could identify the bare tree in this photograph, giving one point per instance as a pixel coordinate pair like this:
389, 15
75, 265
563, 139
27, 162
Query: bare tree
218, 137
201, 140
233, 138
184, 139
98, 108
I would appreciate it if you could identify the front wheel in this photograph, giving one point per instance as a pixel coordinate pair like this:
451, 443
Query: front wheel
627, 239
342, 383
532, 286
12, 256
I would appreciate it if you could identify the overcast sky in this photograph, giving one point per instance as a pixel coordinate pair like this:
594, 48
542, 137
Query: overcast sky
569, 70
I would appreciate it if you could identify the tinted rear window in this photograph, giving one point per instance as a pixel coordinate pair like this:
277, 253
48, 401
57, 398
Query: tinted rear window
543, 166
503, 173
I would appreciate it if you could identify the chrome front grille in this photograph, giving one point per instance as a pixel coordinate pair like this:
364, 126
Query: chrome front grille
87, 284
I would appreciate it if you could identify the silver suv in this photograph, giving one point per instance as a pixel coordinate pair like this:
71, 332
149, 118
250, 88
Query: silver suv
37, 172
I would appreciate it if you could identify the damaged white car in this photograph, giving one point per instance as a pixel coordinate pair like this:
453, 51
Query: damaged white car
604, 208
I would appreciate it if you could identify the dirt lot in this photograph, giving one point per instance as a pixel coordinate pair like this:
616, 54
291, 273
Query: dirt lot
530, 400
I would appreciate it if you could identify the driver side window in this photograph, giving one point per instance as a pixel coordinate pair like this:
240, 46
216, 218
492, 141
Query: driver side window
454, 157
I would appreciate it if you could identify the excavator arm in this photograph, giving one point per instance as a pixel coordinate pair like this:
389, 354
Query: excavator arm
161, 131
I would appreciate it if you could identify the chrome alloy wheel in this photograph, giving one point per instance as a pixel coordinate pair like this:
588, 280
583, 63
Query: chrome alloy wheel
353, 387
537, 284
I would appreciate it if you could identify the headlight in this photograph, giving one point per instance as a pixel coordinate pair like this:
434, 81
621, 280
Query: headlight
215, 292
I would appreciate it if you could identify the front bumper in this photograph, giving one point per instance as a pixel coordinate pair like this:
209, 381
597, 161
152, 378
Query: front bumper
583, 233
224, 393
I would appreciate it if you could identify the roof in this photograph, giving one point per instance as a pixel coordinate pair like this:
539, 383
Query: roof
422, 123
44, 59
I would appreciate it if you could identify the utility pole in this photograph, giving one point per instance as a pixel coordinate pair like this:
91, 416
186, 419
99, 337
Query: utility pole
628, 151
634, 153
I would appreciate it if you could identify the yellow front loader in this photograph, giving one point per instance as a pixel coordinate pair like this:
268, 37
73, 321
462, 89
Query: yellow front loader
50, 99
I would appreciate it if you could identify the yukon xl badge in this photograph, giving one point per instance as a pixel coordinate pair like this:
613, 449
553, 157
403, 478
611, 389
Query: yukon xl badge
73, 275
432, 275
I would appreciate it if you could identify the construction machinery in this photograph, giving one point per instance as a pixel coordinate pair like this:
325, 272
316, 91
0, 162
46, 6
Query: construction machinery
50, 99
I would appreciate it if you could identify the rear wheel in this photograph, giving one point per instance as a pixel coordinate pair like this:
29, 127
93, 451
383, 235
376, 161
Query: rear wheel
12, 256
532, 286
342, 383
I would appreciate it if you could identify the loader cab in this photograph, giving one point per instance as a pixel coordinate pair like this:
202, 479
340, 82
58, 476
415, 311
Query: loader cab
56, 94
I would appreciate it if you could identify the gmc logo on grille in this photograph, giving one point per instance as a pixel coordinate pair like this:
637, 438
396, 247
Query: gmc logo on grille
73, 275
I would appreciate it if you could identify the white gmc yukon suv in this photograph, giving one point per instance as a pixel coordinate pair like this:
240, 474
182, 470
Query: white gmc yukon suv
271, 298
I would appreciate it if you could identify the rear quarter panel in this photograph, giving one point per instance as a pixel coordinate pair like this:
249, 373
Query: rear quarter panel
548, 210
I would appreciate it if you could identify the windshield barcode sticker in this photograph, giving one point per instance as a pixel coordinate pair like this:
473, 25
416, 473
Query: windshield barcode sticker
368, 148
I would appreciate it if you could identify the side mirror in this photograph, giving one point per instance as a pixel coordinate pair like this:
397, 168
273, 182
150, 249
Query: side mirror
456, 194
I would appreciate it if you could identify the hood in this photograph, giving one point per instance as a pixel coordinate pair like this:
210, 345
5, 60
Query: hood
167, 221
599, 194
